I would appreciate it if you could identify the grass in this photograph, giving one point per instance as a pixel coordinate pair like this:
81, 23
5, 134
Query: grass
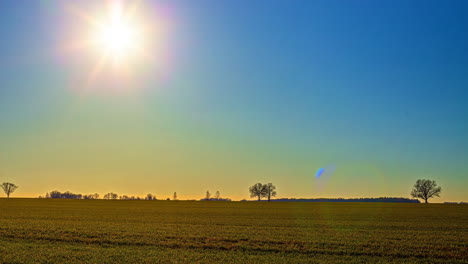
98, 231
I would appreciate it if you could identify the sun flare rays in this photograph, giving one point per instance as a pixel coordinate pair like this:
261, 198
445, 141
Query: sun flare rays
117, 36
113, 38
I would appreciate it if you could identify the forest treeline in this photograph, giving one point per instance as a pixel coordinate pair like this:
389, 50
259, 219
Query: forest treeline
114, 196
355, 200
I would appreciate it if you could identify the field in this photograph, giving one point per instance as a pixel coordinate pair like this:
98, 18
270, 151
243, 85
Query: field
99, 231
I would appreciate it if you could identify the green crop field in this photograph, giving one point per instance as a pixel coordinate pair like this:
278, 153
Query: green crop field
100, 231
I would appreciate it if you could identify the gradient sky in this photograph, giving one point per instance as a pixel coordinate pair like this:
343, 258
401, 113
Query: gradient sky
238, 92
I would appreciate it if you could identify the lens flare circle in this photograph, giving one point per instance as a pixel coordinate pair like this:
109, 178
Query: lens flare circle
319, 173
326, 171
323, 177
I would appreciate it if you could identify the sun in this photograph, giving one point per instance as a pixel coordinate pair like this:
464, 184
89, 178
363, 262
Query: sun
115, 43
117, 39
116, 36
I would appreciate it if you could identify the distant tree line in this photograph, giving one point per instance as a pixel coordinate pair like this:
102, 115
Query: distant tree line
423, 189
91, 196
148, 197
216, 197
107, 196
70, 195
110, 196
114, 196
358, 200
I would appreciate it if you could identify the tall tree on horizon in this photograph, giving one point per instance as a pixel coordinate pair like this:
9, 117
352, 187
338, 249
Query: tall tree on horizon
9, 188
425, 189
270, 191
258, 190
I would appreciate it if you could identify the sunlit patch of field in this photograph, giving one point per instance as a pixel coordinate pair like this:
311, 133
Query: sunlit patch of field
99, 231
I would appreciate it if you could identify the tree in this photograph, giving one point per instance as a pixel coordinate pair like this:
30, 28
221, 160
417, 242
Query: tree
217, 195
110, 196
91, 196
425, 189
9, 188
67, 195
270, 190
258, 190
55, 194
150, 197
175, 196
208, 195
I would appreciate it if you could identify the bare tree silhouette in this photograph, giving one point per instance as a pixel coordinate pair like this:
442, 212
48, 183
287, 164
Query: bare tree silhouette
258, 190
270, 190
175, 196
9, 188
425, 189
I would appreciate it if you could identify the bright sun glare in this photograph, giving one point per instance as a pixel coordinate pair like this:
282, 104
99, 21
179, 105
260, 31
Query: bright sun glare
117, 39
116, 36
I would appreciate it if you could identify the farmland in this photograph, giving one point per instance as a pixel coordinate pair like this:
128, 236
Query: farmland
100, 231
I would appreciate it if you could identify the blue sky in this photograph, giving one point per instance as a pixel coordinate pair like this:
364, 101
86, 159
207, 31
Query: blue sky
261, 90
